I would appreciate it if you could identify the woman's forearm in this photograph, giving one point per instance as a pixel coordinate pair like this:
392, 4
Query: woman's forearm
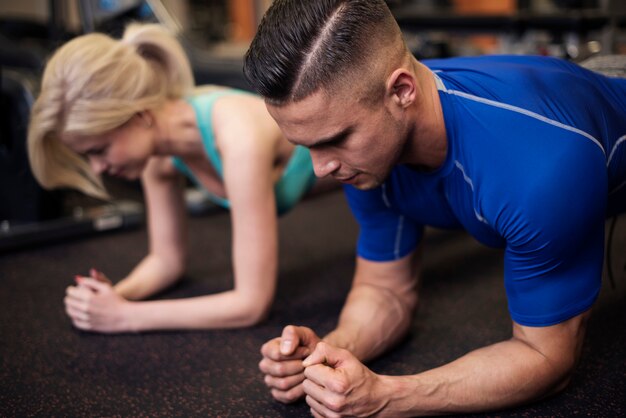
153, 274
231, 309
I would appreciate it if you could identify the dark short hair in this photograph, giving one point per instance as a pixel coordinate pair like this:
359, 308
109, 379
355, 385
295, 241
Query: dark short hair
302, 45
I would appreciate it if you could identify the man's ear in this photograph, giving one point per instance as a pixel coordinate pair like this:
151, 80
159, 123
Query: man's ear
402, 88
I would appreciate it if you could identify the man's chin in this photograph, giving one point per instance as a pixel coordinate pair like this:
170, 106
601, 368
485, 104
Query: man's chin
367, 184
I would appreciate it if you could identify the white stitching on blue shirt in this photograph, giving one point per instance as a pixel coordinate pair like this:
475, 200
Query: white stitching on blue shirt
396, 250
527, 113
617, 143
469, 181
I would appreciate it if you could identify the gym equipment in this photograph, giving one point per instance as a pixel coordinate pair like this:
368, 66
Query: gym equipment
29, 214
23, 200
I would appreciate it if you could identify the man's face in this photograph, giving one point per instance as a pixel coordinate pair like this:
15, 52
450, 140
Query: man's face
352, 142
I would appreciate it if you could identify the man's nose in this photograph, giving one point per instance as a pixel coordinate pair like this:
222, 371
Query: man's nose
323, 165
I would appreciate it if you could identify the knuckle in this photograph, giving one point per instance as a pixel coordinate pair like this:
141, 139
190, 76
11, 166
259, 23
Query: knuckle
282, 384
340, 385
82, 325
279, 396
336, 404
270, 349
279, 369
291, 397
288, 396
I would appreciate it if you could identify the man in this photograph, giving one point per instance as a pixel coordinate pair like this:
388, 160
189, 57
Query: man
525, 153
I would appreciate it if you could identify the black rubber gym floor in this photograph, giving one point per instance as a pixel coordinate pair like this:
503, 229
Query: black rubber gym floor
48, 368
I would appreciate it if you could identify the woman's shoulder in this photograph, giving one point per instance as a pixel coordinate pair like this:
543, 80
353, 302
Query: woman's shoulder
214, 90
207, 100
208, 89
238, 119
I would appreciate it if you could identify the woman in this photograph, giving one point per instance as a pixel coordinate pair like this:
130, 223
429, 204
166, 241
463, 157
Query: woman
128, 108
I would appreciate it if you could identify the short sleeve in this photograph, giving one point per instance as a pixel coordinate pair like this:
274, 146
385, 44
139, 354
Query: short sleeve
385, 234
555, 242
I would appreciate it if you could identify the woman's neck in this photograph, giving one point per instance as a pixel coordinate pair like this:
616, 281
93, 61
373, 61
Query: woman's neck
177, 131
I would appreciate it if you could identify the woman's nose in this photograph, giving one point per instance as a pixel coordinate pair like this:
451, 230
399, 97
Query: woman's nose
98, 165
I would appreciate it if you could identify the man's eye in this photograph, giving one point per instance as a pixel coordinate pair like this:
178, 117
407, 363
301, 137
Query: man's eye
334, 143
339, 142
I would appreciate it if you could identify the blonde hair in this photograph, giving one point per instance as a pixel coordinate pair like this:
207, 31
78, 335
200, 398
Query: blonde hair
94, 84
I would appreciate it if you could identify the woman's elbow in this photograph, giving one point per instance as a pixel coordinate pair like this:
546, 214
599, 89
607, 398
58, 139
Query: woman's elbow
175, 266
254, 311
178, 268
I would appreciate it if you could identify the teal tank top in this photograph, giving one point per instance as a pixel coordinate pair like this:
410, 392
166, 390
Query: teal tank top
297, 178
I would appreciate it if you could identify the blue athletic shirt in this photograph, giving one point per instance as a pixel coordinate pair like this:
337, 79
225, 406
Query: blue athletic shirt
536, 161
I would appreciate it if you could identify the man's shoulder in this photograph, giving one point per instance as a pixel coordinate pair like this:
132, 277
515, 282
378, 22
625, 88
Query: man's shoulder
494, 62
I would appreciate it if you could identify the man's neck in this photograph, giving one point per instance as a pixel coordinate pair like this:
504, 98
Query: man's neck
427, 143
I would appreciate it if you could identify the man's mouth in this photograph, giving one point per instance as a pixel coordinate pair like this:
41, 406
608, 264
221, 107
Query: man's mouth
348, 179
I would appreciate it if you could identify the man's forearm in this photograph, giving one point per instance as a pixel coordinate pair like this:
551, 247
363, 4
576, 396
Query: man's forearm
498, 376
372, 320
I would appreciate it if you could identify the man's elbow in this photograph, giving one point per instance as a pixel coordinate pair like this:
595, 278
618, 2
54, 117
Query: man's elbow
557, 374
564, 373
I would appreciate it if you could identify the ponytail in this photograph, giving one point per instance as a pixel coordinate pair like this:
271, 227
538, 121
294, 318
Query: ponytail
157, 45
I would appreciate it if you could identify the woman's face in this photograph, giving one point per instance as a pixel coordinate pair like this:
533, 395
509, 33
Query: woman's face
122, 152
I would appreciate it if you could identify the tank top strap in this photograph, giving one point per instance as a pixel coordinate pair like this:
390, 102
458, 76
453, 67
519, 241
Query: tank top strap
203, 107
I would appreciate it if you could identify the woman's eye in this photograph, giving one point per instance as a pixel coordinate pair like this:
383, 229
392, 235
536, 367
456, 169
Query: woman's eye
97, 151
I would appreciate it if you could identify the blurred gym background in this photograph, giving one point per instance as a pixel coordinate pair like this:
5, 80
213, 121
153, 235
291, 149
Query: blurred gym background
216, 34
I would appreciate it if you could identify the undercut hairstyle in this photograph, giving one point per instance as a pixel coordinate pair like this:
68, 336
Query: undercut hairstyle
304, 45
94, 84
